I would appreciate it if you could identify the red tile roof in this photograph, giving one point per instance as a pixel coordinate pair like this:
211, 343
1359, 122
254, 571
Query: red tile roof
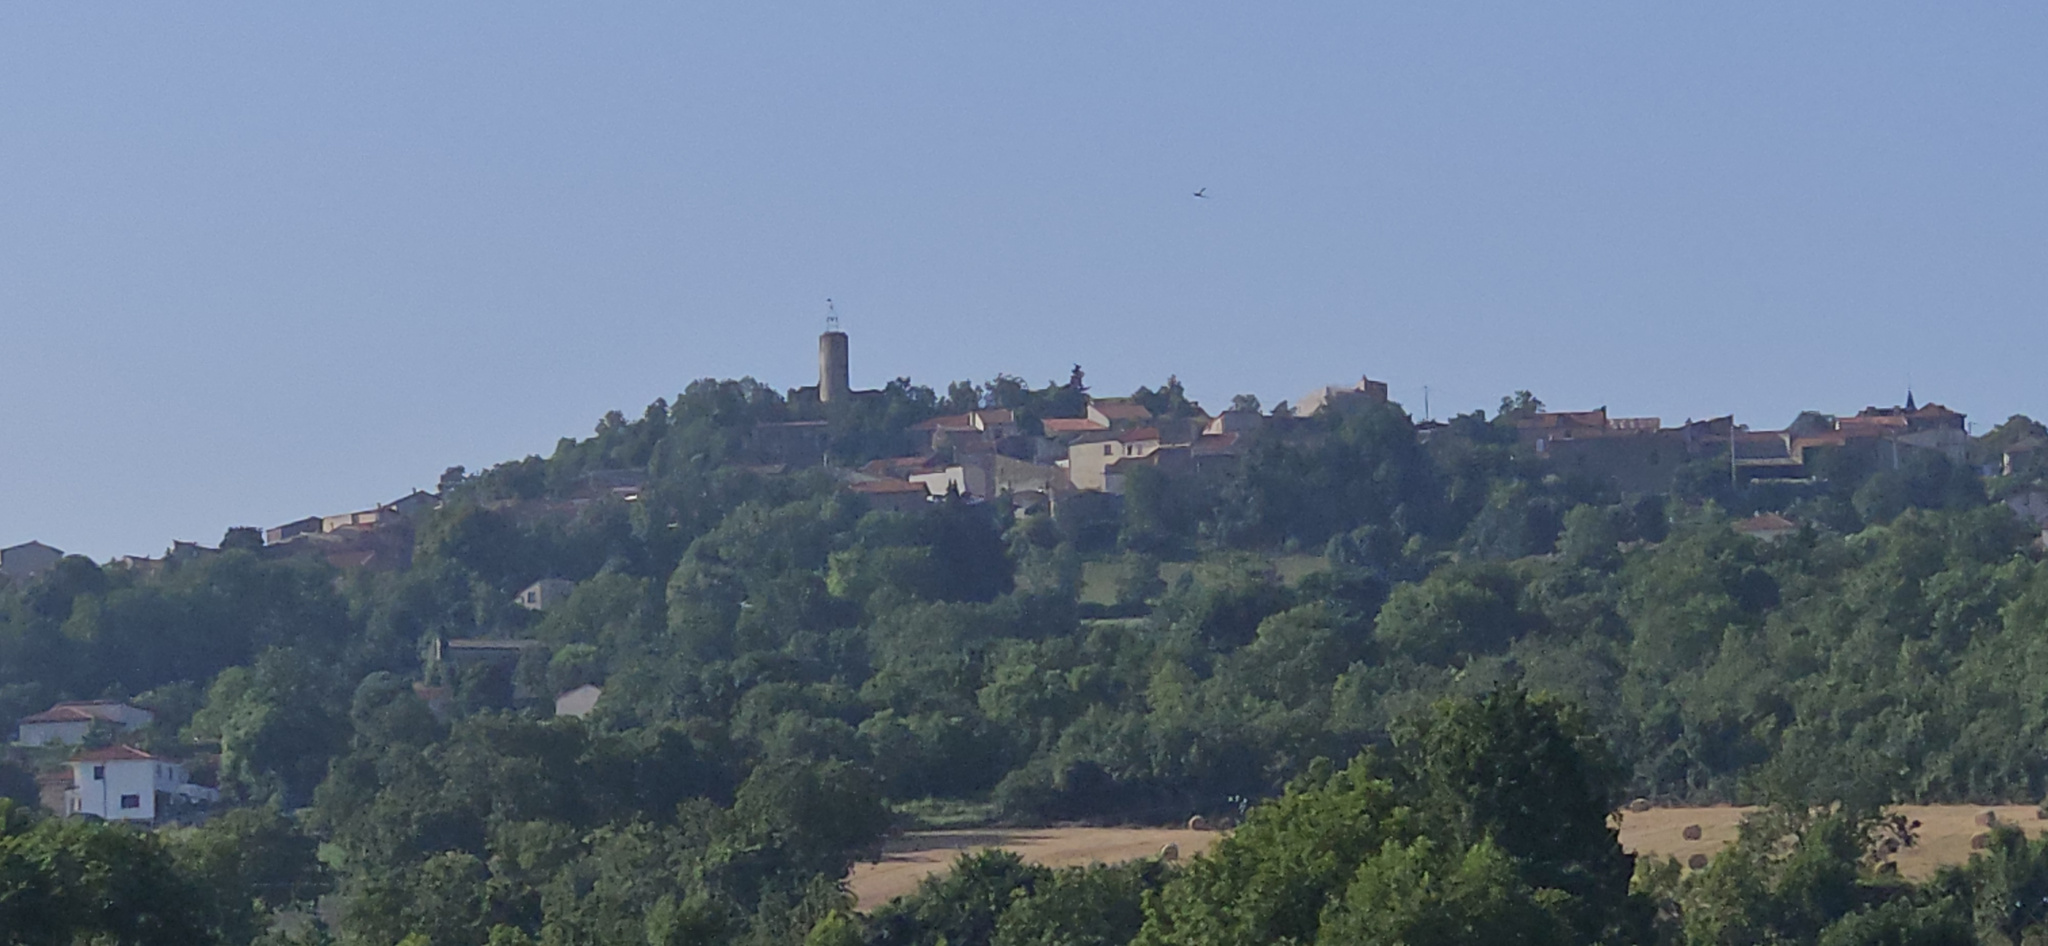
946, 422
893, 467
888, 486
114, 754
1140, 434
73, 711
1121, 410
1552, 420
60, 714
1869, 425
1071, 425
1766, 522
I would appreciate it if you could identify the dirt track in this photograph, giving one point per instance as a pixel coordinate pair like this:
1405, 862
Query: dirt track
1944, 838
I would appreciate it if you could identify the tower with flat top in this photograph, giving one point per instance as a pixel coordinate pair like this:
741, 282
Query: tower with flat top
833, 384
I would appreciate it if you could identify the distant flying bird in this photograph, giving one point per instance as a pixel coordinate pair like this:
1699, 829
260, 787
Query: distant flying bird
1202, 194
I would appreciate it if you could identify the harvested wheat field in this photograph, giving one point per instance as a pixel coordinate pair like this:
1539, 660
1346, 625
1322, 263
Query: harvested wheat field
1943, 837
908, 858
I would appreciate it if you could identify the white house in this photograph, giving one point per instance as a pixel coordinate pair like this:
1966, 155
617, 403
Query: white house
1089, 459
27, 560
123, 783
578, 702
545, 594
69, 723
968, 479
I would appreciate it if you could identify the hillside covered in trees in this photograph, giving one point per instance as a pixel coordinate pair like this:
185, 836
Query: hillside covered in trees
787, 667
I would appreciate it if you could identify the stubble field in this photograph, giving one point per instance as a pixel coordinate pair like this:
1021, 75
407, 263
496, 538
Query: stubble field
1943, 838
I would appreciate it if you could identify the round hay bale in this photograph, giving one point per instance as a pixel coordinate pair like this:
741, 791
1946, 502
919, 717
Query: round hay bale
1987, 819
1980, 842
1639, 805
1697, 862
1198, 823
1171, 852
1691, 832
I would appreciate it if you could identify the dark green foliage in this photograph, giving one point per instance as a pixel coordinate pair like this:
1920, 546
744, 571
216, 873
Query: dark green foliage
1532, 780
18, 784
960, 906
74, 881
1360, 469
1492, 828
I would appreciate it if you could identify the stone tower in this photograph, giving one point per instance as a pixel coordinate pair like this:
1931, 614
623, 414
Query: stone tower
833, 386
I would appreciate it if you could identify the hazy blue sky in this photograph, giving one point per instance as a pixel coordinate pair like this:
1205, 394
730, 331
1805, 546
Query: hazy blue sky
273, 260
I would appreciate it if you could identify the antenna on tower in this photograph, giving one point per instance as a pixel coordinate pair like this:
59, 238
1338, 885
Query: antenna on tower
831, 317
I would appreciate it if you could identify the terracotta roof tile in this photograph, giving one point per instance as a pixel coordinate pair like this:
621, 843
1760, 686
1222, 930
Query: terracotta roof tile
946, 422
1121, 410
60, 714
1554, 420
882, 487
1766, 522
114, 754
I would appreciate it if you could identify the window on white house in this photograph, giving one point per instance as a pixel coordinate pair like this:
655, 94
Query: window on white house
131, 801
99, 773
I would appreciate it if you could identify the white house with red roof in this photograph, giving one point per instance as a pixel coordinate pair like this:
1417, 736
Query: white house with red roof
1089, 459
70, 722
123, 783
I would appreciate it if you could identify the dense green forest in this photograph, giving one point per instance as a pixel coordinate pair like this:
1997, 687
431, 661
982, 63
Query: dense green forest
787, 671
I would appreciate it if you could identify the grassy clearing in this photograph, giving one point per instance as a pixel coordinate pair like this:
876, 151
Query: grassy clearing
938, 814
1099, 577
1098, 582
1294, 568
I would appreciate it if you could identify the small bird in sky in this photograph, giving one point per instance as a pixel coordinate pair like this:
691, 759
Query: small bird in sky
1202, 194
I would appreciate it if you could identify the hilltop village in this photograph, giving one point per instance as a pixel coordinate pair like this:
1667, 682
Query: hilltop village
734, 642
1030, 459
1059, 452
